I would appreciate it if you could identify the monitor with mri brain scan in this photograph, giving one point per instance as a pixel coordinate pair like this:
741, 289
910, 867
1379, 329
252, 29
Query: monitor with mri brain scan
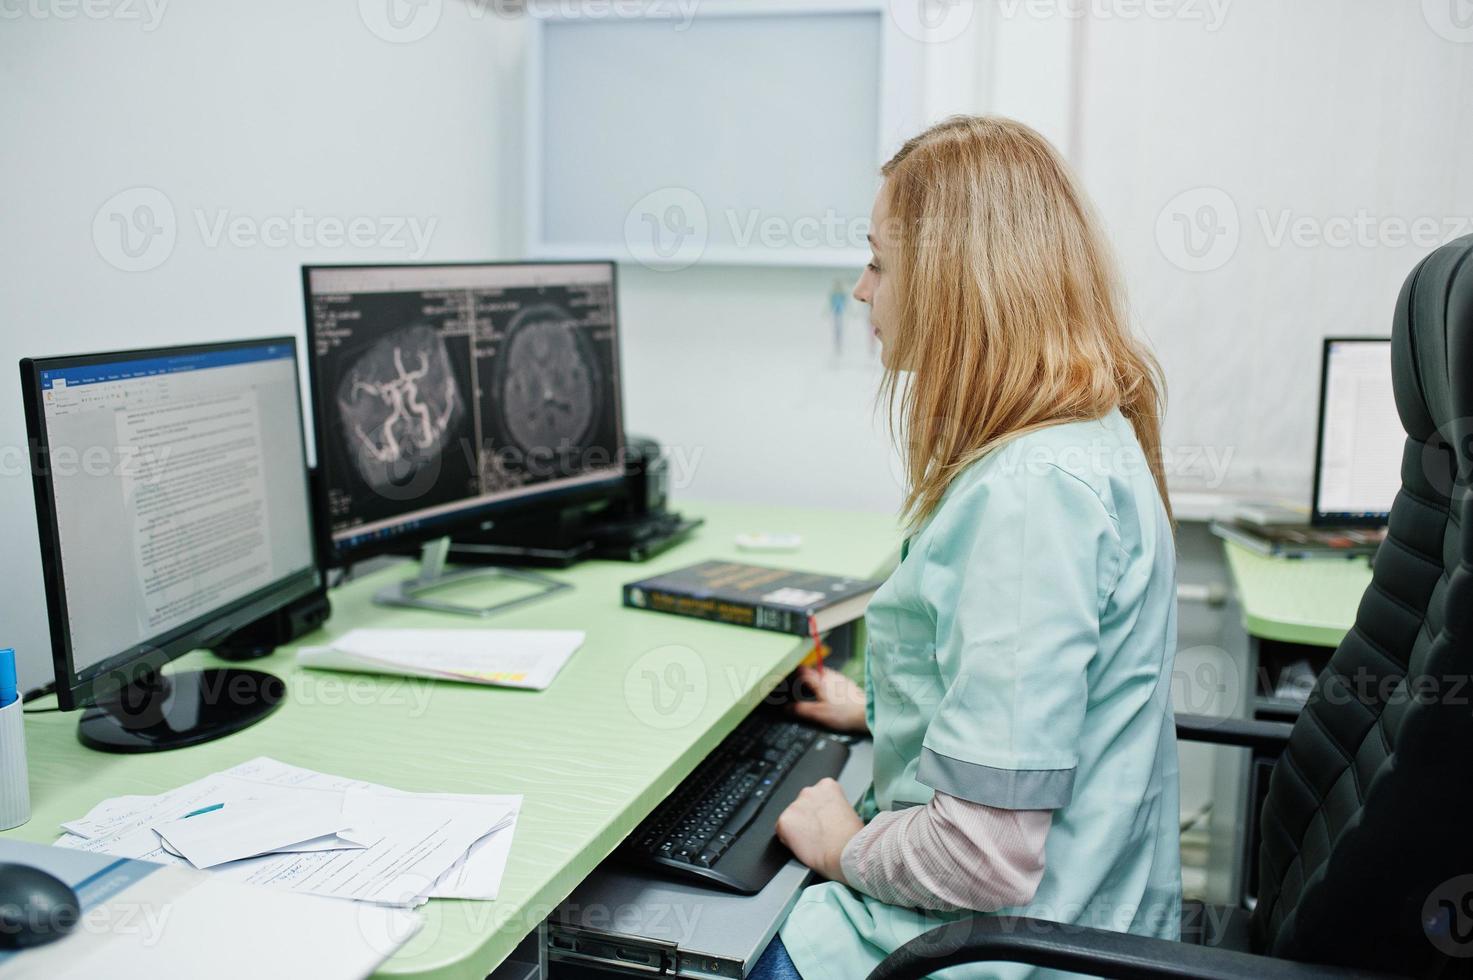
443, 393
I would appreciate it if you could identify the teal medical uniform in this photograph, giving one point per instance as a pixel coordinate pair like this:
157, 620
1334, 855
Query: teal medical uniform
1020, 657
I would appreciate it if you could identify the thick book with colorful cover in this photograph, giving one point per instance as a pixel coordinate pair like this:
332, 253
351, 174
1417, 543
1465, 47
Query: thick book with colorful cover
776, 599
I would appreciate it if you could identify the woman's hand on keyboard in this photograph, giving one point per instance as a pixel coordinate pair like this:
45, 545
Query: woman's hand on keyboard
837, 704
817, 825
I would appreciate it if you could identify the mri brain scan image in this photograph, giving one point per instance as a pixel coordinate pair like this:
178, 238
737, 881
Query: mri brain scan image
549, 382
399, 405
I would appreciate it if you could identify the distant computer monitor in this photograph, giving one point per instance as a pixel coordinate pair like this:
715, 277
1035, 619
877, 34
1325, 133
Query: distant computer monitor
1358, 456
447, 396
173, 507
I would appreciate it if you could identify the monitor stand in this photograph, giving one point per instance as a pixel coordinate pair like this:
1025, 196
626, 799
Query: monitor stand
169, 711
413, 592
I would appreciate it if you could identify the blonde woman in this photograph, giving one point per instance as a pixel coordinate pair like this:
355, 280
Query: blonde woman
1017, 678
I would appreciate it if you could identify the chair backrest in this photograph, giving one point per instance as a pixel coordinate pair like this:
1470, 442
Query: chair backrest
1367, 855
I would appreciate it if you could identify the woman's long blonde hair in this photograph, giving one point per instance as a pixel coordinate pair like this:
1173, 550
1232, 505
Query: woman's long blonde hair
1009, 309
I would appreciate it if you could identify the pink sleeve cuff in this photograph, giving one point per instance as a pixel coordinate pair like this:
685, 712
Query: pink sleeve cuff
950, 855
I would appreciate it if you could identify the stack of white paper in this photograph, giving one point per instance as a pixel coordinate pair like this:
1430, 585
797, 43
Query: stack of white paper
268, 823
505, 658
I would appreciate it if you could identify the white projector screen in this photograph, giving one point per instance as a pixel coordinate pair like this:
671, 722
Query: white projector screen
741, 137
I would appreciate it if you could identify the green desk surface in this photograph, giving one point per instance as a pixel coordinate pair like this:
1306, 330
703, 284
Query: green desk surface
643, 701
1297, 600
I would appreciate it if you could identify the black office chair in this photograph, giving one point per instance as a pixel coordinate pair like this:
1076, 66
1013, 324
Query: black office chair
1366, 865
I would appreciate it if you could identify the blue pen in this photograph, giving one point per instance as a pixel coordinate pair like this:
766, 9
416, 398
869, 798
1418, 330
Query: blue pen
7, 677
203, 809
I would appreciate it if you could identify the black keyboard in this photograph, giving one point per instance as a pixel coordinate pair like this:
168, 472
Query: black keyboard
717, 828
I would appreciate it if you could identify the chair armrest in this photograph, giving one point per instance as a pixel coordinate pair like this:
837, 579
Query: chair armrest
1265, 736
1077, 949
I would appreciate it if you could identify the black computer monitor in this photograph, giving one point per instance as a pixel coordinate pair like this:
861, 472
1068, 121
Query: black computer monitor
173, 506
446, 397
1357, 462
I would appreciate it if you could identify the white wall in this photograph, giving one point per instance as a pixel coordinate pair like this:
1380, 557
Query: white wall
1319, 112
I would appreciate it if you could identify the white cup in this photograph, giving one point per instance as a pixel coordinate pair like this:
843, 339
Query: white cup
15, 791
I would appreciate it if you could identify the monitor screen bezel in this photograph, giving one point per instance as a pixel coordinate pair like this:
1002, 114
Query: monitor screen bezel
1317, 517
336, 554
79, 689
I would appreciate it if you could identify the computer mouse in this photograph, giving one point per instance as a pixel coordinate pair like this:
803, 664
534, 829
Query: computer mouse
35, 907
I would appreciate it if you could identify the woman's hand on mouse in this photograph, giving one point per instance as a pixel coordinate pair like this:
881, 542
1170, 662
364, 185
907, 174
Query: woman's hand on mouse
838, 702
817, 825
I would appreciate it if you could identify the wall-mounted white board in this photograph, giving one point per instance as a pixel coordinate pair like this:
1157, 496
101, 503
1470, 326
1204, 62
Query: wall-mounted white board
749, 132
